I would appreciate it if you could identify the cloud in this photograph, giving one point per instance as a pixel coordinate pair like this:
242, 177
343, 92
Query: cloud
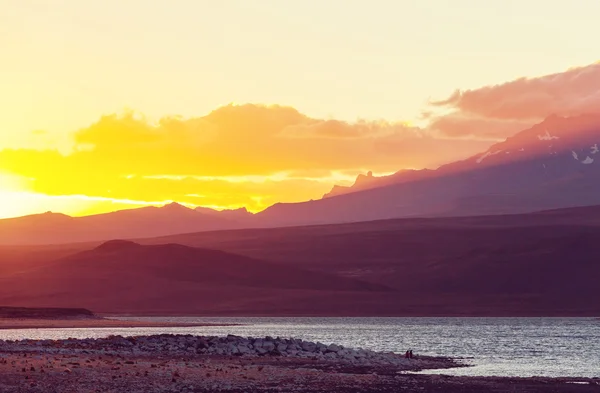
238, 155
504, 109
231, 141
218, 192
572, 92
460, 125
256, 155
336, 129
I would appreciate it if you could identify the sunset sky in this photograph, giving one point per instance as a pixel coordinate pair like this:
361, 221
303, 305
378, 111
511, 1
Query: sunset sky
113, 104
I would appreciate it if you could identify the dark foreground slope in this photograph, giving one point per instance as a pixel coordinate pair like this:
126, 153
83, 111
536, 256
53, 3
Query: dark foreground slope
122, 276
533, 264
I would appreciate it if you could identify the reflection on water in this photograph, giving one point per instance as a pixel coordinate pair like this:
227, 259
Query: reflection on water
494, 346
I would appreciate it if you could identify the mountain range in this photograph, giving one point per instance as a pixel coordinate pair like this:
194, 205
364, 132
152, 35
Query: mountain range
554, 164
534, 264
148, 221
551, 165
509, 231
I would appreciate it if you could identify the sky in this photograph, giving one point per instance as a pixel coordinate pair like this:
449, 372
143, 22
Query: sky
115, 104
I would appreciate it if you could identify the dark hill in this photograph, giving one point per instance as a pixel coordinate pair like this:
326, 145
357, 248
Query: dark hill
534, 264
121, 276
543, 263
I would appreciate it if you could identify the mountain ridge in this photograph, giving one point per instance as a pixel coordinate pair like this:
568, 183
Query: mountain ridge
534, 264
550, 165
560, 126
130, 223
548, 176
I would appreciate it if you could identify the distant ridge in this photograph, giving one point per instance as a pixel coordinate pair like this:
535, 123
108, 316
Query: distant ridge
239, 215
552, 165
534, 264
52, 228
368, 181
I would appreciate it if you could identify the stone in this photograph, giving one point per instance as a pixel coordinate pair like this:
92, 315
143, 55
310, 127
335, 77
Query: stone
308, 346
268, 346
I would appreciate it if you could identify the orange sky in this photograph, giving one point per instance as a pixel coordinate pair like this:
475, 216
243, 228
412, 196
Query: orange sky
70, 67
237, 156
255, 155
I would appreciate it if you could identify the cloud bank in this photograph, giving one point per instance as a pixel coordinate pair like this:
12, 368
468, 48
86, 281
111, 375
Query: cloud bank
257, 155
499, 111
237, 155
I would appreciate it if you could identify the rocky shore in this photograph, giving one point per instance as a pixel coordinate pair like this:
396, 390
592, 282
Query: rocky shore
229, 346
186, 363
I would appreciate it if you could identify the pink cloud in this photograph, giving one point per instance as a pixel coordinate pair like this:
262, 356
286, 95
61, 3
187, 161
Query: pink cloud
568, 93
459, 125
499, 111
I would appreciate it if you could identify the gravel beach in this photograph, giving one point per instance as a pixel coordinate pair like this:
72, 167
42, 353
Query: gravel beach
177, 363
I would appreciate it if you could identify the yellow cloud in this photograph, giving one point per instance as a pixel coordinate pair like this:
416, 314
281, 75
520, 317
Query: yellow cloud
238, 155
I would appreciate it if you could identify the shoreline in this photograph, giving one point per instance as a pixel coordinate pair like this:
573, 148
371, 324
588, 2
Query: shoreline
90, 323
186, 363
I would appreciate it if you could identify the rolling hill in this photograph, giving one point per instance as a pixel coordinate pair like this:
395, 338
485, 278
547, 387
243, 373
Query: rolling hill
123, 276
524, 264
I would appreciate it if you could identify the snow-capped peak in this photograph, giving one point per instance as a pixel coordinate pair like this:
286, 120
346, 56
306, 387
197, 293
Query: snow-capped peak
546, 136
486, 155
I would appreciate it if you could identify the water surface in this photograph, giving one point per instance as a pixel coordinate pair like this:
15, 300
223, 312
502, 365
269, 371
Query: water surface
494, 346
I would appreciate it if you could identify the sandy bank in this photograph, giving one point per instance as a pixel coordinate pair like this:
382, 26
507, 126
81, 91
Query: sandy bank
13, 323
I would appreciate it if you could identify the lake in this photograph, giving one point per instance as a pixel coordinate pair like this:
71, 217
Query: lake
551, 347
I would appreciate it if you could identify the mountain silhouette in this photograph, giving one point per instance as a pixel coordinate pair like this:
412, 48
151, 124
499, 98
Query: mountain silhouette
542, 263
133, 223
552, 165
240, 215
123, 276
368, 181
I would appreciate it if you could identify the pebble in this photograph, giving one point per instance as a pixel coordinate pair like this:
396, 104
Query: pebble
213, 345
